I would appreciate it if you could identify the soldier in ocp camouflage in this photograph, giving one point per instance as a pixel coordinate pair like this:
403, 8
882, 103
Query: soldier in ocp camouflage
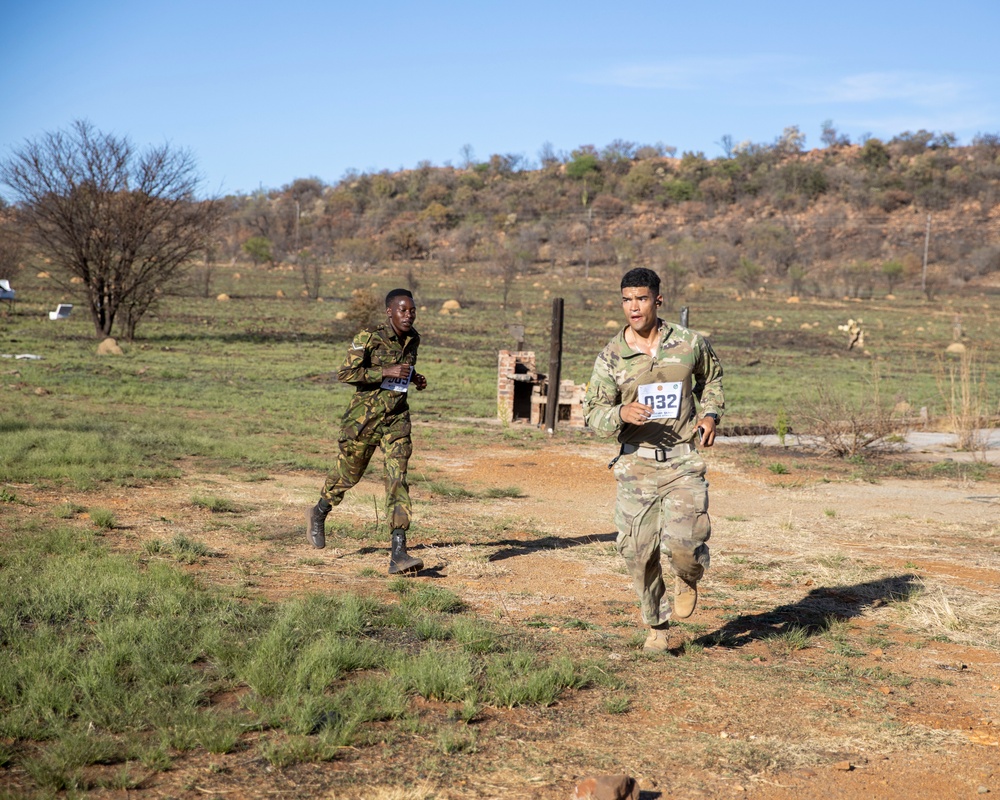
380, 365
662, 503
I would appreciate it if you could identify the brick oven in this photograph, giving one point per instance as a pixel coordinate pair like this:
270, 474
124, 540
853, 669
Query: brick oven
522, 392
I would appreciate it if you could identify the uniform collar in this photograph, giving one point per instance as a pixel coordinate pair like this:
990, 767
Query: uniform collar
391, 333
625, 349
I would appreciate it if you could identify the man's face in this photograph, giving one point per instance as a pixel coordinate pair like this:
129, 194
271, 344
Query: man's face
401, 313
640, 304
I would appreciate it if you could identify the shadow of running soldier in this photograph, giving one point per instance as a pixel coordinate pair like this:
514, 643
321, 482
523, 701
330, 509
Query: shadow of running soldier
380, 365
814, 612
658, 386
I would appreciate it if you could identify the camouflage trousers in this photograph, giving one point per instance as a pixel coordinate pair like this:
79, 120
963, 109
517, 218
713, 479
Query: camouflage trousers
662, 519
393, 436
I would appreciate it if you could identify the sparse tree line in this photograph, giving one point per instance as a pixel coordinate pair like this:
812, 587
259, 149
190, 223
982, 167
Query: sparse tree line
845, 219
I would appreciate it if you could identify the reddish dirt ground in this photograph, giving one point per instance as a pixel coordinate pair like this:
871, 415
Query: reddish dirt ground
919, 717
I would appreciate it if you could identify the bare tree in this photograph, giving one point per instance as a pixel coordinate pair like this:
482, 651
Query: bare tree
127, 223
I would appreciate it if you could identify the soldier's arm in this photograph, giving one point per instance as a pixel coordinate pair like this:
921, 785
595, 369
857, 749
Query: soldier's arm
602, 402
708, 381
357, 367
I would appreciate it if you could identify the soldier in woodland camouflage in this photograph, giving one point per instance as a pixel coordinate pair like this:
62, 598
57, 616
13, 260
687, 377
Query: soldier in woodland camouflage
644, 388
380, 364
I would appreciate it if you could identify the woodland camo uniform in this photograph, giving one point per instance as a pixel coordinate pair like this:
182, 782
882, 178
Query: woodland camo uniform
375, 418
380, 364
662, 501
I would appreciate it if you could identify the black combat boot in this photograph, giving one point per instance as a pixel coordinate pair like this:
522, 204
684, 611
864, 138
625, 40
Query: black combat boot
399, 559
316, 529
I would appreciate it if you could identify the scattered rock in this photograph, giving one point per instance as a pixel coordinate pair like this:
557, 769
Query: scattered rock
76, 279
793, 299
279, 293
340, 315
955, 347
606, 787
41, 392
756, 323
109, 347
43, 275
844, 766
451, 305
223, 298
611, 324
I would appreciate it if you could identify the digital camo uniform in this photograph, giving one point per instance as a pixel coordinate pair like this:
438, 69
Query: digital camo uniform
375, 417
662, 508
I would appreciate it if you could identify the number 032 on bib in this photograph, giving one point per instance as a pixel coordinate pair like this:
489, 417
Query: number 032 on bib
664, 398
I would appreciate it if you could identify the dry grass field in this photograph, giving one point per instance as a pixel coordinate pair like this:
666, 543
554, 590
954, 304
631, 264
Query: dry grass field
845, 646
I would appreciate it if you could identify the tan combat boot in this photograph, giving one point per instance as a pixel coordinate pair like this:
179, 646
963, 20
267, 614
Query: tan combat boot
685, 597
656, 642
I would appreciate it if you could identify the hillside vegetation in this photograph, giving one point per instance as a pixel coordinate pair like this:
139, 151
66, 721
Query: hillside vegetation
843, 220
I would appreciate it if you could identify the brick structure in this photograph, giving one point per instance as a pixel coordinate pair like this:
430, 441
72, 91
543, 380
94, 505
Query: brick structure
522, 392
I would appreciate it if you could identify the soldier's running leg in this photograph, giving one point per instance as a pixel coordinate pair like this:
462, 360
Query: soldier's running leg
686, 529
352, 461
398, 449
637, 517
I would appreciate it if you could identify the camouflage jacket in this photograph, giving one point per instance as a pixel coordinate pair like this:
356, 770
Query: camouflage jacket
683, 356
372, 349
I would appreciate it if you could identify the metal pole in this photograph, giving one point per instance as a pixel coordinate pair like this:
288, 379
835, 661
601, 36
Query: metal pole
555, 366
684, 316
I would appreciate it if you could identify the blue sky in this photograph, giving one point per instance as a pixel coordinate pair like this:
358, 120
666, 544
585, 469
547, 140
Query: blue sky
263, 93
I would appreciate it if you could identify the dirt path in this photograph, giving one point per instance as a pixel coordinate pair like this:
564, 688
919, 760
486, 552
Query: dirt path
895, 693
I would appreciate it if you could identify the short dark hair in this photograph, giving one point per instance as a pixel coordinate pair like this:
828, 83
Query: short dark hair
641, 278
397, 293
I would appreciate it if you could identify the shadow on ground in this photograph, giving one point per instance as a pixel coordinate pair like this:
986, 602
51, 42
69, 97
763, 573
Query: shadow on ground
813, 613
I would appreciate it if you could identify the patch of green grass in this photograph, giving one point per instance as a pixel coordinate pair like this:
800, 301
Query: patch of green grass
517, 678
578, 624
616, 704
830, 512
428, 597
504, 491
778, 468
67, 510
437, 674
102, 518
188, 550
790, 640
217, 505
449, 490
457, 740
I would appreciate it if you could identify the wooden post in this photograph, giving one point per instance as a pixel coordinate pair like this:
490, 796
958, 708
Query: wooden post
684, 316
555, 367
927, 243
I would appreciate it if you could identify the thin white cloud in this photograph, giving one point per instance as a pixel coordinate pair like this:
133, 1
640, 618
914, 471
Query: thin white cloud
879, 87
683, 73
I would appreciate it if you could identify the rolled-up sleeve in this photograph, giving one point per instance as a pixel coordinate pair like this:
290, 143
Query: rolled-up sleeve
708, 381
357, 367
602, 402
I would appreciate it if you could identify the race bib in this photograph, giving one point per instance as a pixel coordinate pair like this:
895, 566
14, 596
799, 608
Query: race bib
663, 398
398, 384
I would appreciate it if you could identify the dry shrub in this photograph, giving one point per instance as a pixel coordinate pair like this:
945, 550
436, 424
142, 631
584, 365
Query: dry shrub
365, 310
846, 425
963, 387
964, 616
